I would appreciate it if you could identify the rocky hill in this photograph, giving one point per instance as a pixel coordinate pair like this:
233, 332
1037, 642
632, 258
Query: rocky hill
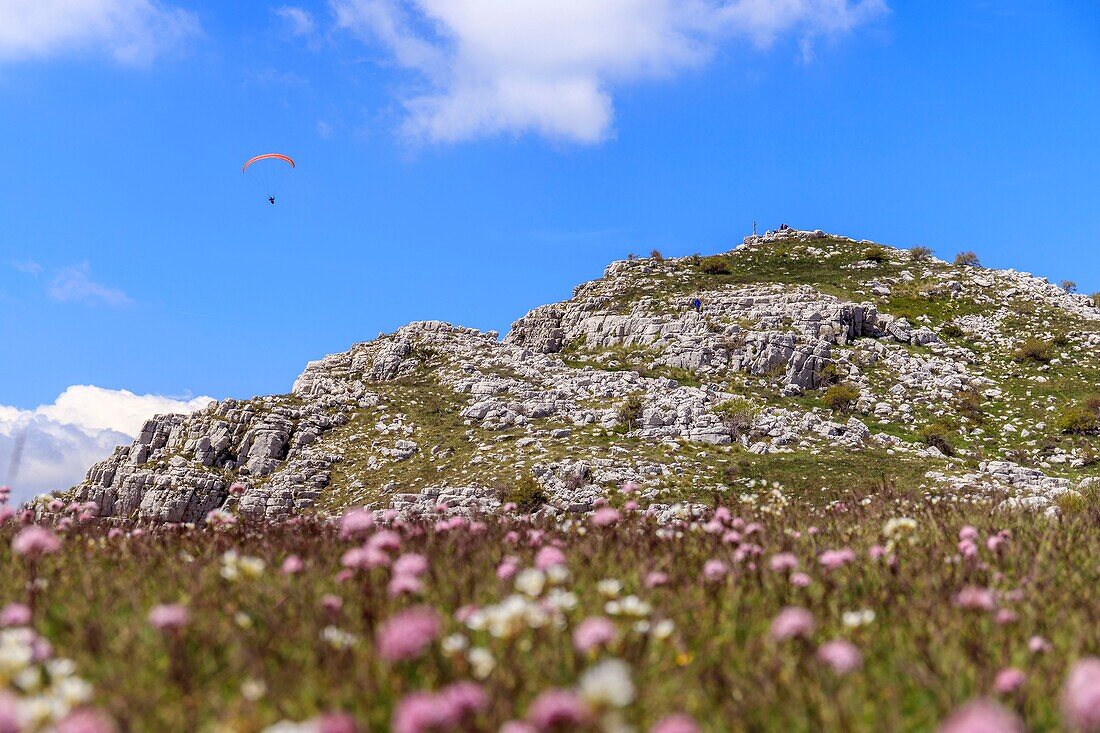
816, 368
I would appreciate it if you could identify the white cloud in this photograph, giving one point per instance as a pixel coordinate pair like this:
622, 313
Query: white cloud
549, 66
53, 445
29, 267
76, 284
130, 31
300, 22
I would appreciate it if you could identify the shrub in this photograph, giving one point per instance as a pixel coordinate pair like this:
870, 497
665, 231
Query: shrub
737, 414
829, 374
1071, 503
969, 259
875, 254
920, 254
716, 265
1033, 349
952, 330
937, 435
1069, 286
1078, 419
841, 397
1060, 339
969, 403
1096, 300
526, 493
630, 411
656, 255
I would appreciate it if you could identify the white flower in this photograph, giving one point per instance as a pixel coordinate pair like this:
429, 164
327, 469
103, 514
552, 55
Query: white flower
663, 629
235, 566
855, 619
454, 643
557, 574
531, 581
609, 587
607, 685
481, 662
242, 620
337, 638
253, 689
634, 606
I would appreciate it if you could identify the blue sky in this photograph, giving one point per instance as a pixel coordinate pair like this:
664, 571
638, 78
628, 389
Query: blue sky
461, 162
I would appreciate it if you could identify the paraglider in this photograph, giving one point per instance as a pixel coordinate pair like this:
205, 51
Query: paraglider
273, 162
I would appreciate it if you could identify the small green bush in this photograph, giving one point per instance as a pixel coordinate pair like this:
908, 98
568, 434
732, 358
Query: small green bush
841, 397
1060, 339
526, 493
737, 414
969, 403
969, 259
1069, 286
656, 255
875, 254
630, 412
1034, 349
1096, 300
938, 435
952, 330
1078, 419
716, 265
920, 254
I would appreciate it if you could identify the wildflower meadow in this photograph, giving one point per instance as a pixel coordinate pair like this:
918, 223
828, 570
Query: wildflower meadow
881, 613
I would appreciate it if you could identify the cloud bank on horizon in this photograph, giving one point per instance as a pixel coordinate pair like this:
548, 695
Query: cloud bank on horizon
549, 66
130, 31
51, 446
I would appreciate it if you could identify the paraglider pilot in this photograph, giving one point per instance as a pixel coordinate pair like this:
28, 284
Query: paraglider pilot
271, 199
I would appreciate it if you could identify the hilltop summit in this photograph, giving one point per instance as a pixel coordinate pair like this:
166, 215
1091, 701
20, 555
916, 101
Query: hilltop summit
813, 368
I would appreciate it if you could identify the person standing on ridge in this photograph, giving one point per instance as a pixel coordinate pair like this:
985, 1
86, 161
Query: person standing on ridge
697, 305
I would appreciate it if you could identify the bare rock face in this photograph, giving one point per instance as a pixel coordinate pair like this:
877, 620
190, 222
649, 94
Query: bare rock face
629, 380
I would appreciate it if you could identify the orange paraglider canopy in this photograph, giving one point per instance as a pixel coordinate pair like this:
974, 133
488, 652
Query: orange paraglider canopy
268, 156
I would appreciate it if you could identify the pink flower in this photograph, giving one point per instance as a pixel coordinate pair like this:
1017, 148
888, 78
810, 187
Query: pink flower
517, 726
6, 513
678, 723
387, 540
410, 564
982, 716
655, 579
783, 562
1007, 616
10, 719
1038, 645
968, 533
507, 568
332, 603
85, 721
400, 585
792, 622
420, 712
463, 699
56, 505
593, 632
15, 614
630, 487
842, 656
800, 580
548, 557
407, 634
968, 548
606, 517
292, 565
998, 541
114, 533
364, 558
35, 541
168, 617
337, 723
237, 489
976, 599
1081, 695
714, 570
557, 709
1008, 680
877, 552
832, 559
355, 522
